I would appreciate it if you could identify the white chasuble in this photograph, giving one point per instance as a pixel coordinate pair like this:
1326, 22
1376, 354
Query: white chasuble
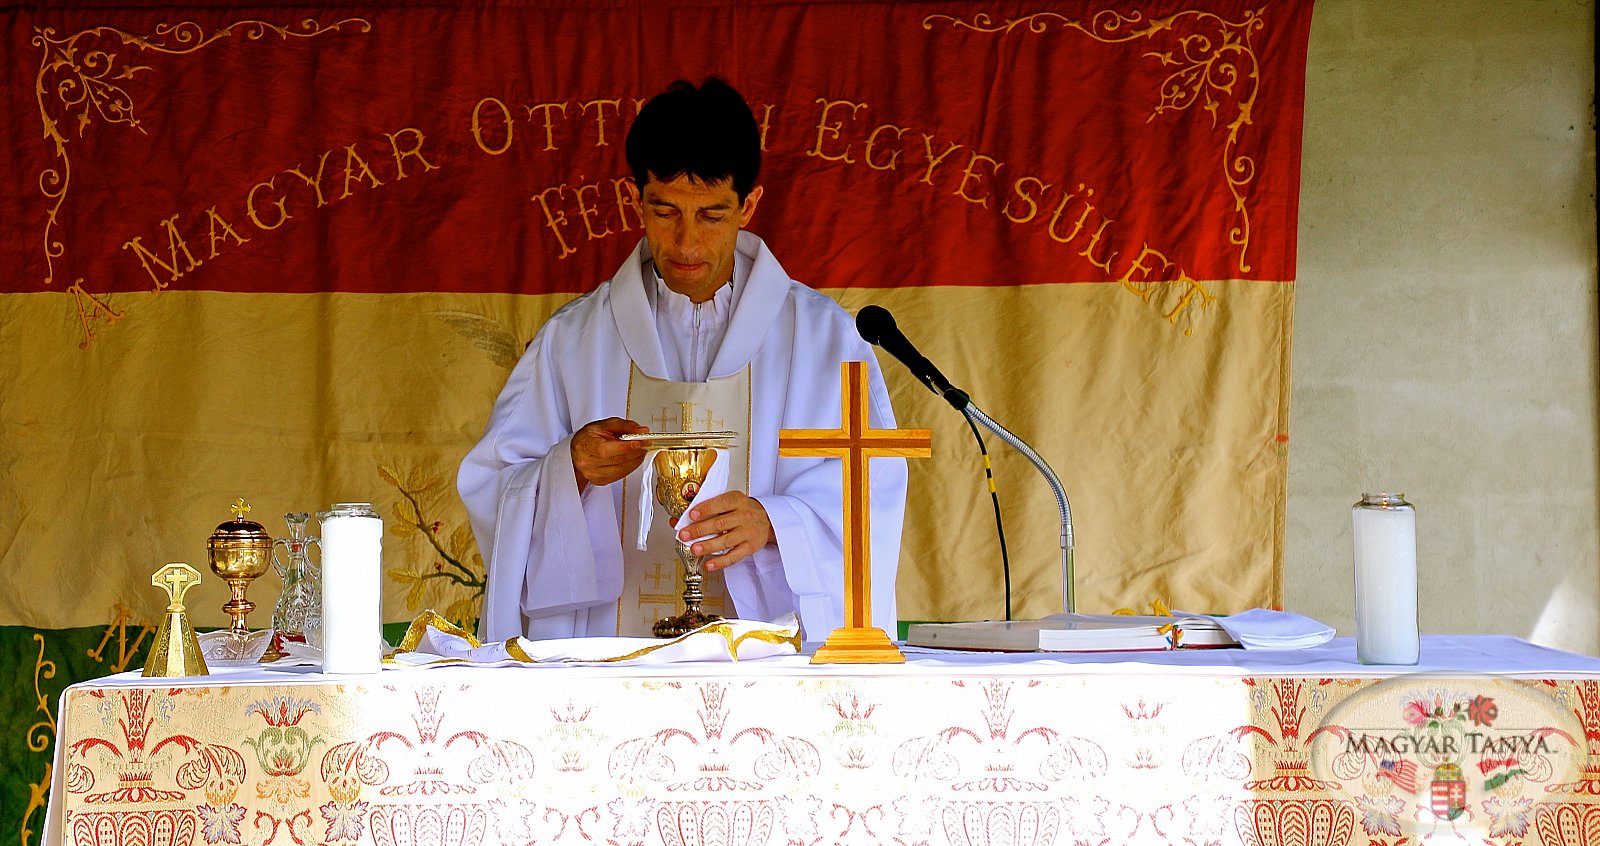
652, 578
554, 555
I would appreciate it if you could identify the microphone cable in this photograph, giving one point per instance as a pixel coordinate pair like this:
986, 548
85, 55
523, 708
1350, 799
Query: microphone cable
877, 327
994, 496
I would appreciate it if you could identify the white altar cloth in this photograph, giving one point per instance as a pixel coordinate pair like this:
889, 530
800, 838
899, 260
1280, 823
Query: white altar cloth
1445, 654
1191, 746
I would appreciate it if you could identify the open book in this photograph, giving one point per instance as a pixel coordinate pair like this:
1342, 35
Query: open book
1257, 628
1074, 633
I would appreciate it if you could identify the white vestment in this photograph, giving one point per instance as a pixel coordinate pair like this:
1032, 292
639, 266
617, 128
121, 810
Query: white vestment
652, 583
554, 557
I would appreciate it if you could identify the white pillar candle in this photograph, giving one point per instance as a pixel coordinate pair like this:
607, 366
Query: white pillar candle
352, 624
1386, 579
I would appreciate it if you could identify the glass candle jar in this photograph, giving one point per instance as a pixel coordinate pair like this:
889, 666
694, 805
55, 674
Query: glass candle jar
1386, 579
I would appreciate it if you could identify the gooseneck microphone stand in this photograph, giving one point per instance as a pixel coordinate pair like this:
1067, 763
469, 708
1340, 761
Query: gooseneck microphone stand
877, 327
1068, 577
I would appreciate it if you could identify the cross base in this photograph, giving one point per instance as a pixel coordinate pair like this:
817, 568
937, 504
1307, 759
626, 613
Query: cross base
849, 645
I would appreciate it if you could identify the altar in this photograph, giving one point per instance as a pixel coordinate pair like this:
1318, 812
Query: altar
1489, 738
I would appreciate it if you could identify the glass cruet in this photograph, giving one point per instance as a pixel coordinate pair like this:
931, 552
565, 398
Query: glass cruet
297, 616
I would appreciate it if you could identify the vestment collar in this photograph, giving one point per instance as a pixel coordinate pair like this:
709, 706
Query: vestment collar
761, 285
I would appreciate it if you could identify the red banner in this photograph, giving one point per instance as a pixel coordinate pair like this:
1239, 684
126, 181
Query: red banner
381, 149
178, 180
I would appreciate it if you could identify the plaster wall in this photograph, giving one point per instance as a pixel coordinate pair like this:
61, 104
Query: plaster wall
1445, 318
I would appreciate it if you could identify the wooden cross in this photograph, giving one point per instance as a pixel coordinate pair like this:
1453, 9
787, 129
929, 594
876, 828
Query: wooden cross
858, 641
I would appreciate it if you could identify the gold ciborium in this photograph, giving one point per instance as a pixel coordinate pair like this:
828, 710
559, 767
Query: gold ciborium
680, 471
240, 551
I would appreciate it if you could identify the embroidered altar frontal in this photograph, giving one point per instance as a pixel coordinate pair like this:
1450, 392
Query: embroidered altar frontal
960, 755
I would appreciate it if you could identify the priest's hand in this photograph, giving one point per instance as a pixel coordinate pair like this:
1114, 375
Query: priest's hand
733, 526
599, 454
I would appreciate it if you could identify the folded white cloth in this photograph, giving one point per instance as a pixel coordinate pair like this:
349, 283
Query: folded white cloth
715, 484
1263, 628
434, 641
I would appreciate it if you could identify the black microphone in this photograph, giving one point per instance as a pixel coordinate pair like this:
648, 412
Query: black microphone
877, 327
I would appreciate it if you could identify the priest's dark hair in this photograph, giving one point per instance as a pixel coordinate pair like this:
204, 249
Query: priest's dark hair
707, 133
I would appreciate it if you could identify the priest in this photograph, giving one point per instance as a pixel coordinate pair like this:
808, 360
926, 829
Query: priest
699, 330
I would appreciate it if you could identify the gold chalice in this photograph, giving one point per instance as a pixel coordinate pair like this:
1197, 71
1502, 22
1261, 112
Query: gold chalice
239, 551
680, 472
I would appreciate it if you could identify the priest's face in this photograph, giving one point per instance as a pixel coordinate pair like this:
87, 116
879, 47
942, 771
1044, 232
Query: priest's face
693, 229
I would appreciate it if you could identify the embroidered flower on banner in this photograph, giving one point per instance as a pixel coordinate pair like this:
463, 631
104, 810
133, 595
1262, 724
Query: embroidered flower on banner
221, 825
344, 820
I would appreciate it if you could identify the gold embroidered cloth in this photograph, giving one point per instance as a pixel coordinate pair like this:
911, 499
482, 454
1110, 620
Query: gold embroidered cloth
946, 750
